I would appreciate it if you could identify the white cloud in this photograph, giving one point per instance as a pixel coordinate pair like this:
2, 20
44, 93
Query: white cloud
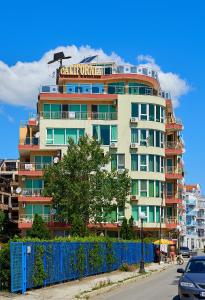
19, 83
169, 81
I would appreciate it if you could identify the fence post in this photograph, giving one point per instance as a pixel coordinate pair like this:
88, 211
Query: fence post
24, 247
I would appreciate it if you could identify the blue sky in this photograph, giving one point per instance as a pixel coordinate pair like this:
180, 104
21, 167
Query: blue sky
172, 32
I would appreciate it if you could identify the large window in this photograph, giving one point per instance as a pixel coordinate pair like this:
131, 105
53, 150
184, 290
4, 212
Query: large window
64, 111
152, 213
103, 112
105, 133
147, 137
42, 210
149, 112
147, 188
116, 88
42, 162
60, 136
117, 162
147, 162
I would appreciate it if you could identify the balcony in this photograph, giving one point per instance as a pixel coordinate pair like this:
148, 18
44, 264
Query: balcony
32, 169
72, 115
29, 143
33, 194
173, 124
191, 202
171, 222
26, 220
174, 148
173, 172
100, 89
172, 198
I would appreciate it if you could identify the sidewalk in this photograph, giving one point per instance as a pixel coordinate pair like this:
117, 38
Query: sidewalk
76, 289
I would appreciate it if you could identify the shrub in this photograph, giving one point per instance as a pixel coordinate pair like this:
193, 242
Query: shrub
5, 276
128, 268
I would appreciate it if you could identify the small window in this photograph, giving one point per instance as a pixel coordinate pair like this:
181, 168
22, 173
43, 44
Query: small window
143, 188
143, 113
151, 112
143, 162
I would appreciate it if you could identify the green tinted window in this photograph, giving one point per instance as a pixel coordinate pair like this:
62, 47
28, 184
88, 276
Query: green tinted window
151, 188
135, 110
134, 187
151, 112
114, 162
151, 214
135, 212
134, 162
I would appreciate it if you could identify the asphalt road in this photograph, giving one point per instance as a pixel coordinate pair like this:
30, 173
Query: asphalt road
159, 286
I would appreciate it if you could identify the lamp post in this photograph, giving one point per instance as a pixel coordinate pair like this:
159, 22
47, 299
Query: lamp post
178, 236
142, 216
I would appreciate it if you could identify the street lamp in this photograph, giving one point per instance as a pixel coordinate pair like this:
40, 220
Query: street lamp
178, 236
142, 216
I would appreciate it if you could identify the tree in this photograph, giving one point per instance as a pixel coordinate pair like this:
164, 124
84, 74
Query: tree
39, 229
78, 227
80, 185
124, 229
131, 234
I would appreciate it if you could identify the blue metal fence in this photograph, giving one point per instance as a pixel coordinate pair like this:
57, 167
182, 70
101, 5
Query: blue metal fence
60, 260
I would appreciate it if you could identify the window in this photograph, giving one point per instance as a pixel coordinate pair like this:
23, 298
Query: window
158, 113
157, 192
134, 187
151, 188
162, 113
157, 138
151, 138
157, 214
158, 163
134, 162
170, 189
144, 210
143, 162
143, 112
135, 212
60, 136
42, 161
134, 135
116, 88
151, 163
151, 214
143, 137
161, 139
135, 110
58, 111
162, 164
117, 162
151, 112
143, 188
105, 133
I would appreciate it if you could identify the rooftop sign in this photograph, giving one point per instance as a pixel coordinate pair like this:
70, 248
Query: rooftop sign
81, 70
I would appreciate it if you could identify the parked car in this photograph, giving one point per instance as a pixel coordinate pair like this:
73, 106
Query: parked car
192, 282
184, 251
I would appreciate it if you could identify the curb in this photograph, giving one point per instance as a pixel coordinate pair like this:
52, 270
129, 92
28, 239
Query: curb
109, 285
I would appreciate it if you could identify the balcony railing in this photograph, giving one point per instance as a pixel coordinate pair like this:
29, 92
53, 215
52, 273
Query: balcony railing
173, 170
174, 145
191, 202
72, 115
29, 141
171, 220
27, 166
28, 218
32, 192
173, 120
102, 89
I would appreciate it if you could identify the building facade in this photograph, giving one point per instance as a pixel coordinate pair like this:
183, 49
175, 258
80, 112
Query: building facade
8, 185
123, 107
195, 217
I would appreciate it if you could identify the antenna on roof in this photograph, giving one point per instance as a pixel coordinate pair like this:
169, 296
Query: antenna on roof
59, 56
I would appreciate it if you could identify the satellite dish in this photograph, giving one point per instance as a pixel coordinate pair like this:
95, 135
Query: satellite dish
37, 135
56, 160
18, 190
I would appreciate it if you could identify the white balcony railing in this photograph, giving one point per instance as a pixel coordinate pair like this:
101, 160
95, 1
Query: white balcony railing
32, 192
29, 166
72, 115
28, 218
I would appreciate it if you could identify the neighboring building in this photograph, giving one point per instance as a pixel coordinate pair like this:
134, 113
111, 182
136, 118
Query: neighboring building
195, 217
8, 185
124, 107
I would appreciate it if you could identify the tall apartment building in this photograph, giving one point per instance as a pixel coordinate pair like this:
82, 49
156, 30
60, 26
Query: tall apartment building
124, 107
8, 185
195, 217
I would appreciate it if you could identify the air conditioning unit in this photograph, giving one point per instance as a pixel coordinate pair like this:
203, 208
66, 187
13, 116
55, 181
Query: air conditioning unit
120, 171
134, 145
133, 198
134, 120
113, 145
